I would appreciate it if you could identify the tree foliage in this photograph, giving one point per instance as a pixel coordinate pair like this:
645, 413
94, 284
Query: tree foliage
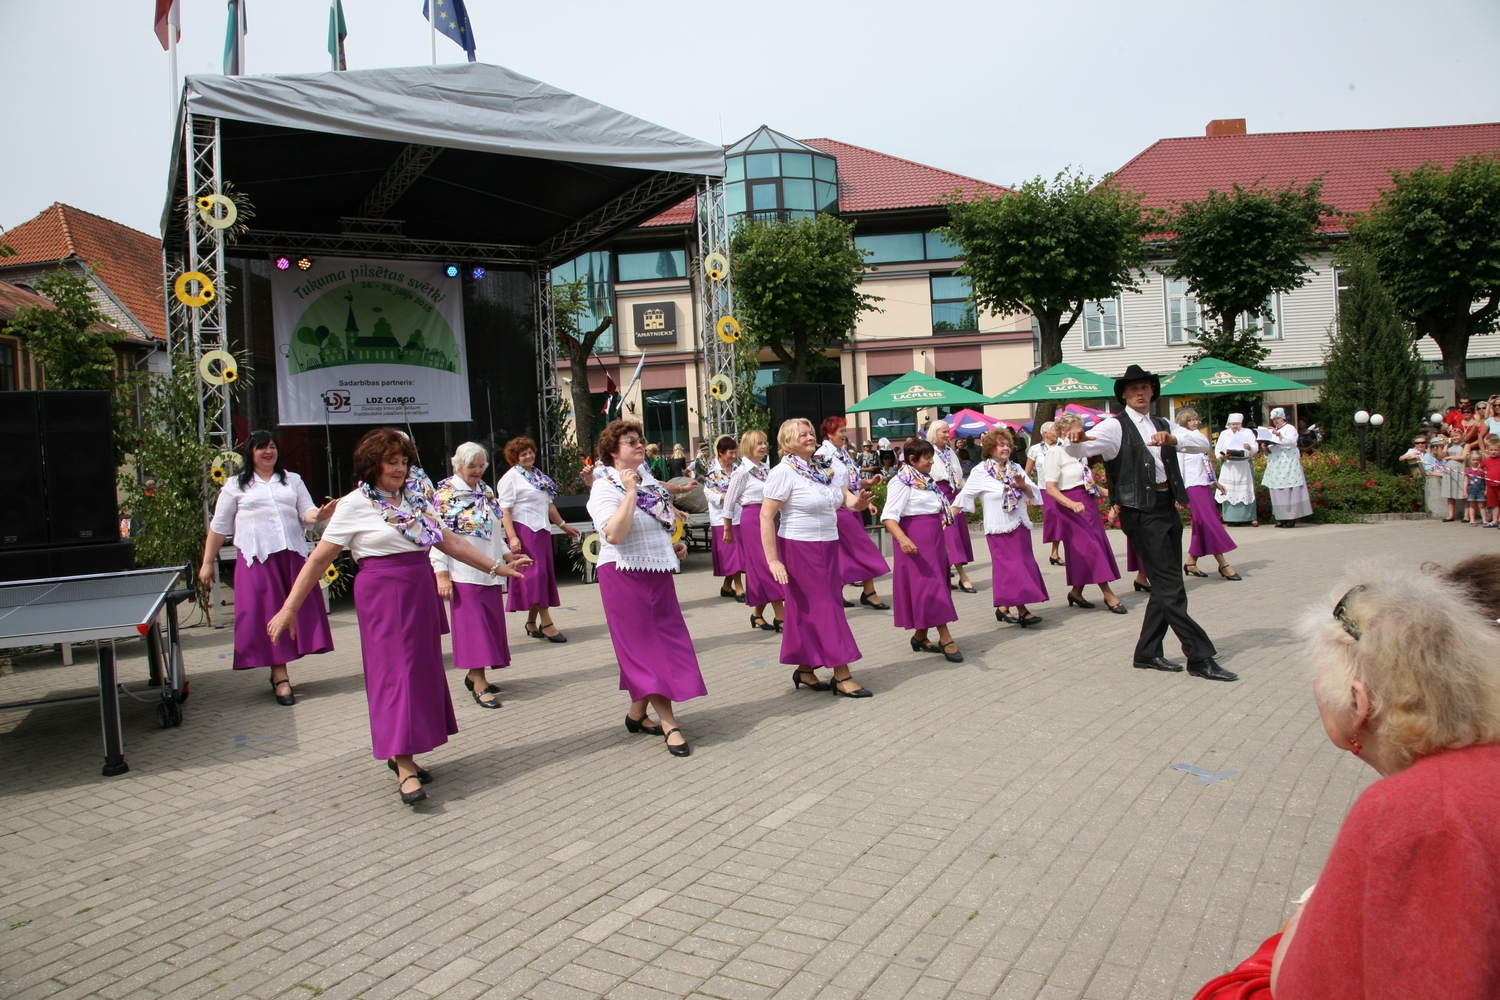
1371, 363
570, 301
1434, 236
797, 287
1047, 249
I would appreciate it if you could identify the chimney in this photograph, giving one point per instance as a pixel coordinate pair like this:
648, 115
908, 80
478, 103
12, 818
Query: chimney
1225, 126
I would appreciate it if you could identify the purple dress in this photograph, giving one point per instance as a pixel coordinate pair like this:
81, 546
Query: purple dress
1090, 558
920, 594
816, 633
761, 587
1016, 577
260, 588
1209, 534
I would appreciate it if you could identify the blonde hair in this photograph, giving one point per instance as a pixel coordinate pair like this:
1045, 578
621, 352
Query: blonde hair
1184, 414
749, 441
786, 436
678, 451
1427, 658
1065, 422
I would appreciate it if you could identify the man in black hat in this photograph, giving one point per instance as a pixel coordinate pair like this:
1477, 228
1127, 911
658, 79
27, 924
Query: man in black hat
1140, 455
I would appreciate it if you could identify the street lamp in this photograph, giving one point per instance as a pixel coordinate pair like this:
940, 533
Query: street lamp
1377, 421
1361, 419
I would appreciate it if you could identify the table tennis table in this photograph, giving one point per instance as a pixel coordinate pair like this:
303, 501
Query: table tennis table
102, 608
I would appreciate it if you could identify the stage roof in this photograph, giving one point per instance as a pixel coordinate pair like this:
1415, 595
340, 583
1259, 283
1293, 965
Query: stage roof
460, 154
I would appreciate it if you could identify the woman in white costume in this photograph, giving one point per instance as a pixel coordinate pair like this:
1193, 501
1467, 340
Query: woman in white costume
1236, 475
1284, 478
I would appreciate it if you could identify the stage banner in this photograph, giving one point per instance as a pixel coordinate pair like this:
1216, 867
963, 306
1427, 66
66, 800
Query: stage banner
369, 342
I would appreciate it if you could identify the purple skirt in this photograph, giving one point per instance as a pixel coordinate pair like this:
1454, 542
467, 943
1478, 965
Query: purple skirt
816, 633
400, 616
727, 558
1132, 563
259, 591
761, 587
960, 545
1209, 535
479, 639
1089, 558
859, 556
1050, 530
1013, 569
651, 639
539, 585
920, 595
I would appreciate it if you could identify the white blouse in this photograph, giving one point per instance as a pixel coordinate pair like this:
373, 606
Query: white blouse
744, 488
1038, 454
357, 525
1240, 440
809, 511
998, 520
843, 473
1063, 469
1197, 469
947, 468
648, 545
719, 505
902, 501
527, 504
264, 517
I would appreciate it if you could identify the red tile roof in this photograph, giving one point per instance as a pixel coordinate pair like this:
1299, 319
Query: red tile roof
1354, 165
13, 300
869, 181
129, 260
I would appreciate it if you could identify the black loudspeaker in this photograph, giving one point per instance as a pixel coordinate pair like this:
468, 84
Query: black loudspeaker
66, 560
572, 508
23, 508
78, 448
809, 400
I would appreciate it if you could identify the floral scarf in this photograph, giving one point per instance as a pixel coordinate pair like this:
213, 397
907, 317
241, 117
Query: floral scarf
420, 524
850, 466
759, 471
1088, 480
917, 481
717, 481
819, 470
539, 480
464, 510
955, 469
1012, 496
653, 498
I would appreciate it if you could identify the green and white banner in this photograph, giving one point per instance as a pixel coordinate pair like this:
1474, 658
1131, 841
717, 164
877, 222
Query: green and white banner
368, 342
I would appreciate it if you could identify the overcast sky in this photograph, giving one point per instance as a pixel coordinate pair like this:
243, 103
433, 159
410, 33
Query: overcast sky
1001, 91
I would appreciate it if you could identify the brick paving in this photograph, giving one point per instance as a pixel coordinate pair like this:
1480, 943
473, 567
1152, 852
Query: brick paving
1007, 827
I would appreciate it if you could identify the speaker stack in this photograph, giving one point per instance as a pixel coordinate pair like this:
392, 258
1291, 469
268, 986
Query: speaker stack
58, 513
809, 400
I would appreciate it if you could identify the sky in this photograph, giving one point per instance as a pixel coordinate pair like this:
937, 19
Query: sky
1002, 91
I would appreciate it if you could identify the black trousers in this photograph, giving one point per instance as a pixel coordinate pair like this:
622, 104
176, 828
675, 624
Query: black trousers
1157, 537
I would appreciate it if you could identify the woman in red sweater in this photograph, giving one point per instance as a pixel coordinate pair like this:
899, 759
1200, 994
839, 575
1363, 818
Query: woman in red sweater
1407, 678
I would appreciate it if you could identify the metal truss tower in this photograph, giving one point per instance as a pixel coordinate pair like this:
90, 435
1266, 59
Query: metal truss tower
715, 303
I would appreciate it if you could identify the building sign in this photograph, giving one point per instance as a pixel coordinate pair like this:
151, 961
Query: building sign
655, 323
369, 341
1070, 386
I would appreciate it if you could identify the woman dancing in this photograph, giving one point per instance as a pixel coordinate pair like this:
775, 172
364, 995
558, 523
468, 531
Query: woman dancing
525, 496
747, 488
1006, 491
723, 517
859, 557
1209, 536
950, 479
917, 515
1035, 456
1090, 558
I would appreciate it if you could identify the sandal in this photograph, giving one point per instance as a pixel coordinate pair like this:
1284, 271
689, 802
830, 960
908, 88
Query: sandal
776, 624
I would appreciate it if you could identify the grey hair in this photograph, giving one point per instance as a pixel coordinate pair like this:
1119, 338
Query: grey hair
1048, 426
933, 423
1427, 658
466, 453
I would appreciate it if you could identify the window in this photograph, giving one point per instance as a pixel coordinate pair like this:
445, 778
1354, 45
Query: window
1341, 284
898, 425
940, 249
1101, 324
1182, 313
1268, 327
1036, 344
951, 306
769, 176
8, 381
593, 270
971, 379
666, 420
890, 248
651, 265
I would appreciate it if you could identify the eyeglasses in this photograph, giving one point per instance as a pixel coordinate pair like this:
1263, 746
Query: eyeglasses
1343, 616
632, 440
1419, 444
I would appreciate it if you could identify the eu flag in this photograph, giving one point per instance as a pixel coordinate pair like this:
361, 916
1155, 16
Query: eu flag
453, 21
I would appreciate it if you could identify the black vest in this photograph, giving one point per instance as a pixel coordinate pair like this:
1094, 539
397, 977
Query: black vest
1132, 472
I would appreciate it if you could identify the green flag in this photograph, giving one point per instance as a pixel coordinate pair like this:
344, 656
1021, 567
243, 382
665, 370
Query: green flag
337, 32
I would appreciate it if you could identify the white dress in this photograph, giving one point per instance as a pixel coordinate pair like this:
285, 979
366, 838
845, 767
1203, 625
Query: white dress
1284, 478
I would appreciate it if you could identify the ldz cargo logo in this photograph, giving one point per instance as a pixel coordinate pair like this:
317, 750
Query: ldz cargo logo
1072, 385
336, 401
917, 392
1224, 378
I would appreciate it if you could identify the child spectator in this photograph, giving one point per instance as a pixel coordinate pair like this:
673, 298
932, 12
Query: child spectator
1492, 481
1474, 484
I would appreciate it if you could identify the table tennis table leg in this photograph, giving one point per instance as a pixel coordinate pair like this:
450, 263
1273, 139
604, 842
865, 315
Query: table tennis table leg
109, 709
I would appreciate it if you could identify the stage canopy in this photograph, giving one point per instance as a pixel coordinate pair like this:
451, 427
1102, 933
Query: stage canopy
470, 161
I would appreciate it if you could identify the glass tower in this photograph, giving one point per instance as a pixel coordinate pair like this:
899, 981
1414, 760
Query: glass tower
770, 176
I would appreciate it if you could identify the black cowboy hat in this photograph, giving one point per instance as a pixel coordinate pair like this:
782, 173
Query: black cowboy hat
1135, 373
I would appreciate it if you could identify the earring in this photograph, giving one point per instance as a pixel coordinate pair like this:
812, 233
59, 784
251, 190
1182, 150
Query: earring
1354, 745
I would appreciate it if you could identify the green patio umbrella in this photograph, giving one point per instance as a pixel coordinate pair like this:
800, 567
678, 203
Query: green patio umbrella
915, 391
1212, 377
1060, 382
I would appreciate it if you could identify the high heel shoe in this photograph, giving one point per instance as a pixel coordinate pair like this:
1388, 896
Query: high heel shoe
682, 749
859, 692
953, 657
1078, 602
290, 698
776, 624
923, 646
1055, 561
556, 635
814, 684
1003, 616
1229, 576
488, 689
1193, 571
1117, 608
759, 621
1142, 587
422, 775
640, 726
727, 592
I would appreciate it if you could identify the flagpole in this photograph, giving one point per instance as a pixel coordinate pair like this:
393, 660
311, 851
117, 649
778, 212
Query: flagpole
333, 35
432, 28
172, 67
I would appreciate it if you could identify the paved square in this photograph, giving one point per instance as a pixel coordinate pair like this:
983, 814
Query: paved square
1012, 826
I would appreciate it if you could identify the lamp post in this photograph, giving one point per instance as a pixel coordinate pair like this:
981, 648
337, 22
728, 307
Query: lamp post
1361, 420
1376, 421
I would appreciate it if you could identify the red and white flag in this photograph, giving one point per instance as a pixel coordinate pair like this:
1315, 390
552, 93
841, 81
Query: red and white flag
168, 17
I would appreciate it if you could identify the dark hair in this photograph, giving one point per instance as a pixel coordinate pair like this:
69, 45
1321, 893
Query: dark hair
915, 449
725, 443
609, 438
515, 446
376, 447
259, 439
831, 424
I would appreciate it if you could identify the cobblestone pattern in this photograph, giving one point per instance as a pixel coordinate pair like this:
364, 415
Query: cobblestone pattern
1006, 827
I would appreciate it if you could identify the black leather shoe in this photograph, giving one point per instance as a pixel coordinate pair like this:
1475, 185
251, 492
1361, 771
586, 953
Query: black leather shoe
411, 798
1158, 663
814, 684
422, 775
1117, 608
874, 605
1229, 576
1211, 671
1003, 616
953, 657
1142, 588
290, 698
640, 726
1078, 602
681, 749
848, 603
859, 692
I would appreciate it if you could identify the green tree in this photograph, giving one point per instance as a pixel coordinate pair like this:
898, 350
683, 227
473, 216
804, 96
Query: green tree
1371, 363
1235, 251
571, 300
797, 288
1047, 249
1434, 235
